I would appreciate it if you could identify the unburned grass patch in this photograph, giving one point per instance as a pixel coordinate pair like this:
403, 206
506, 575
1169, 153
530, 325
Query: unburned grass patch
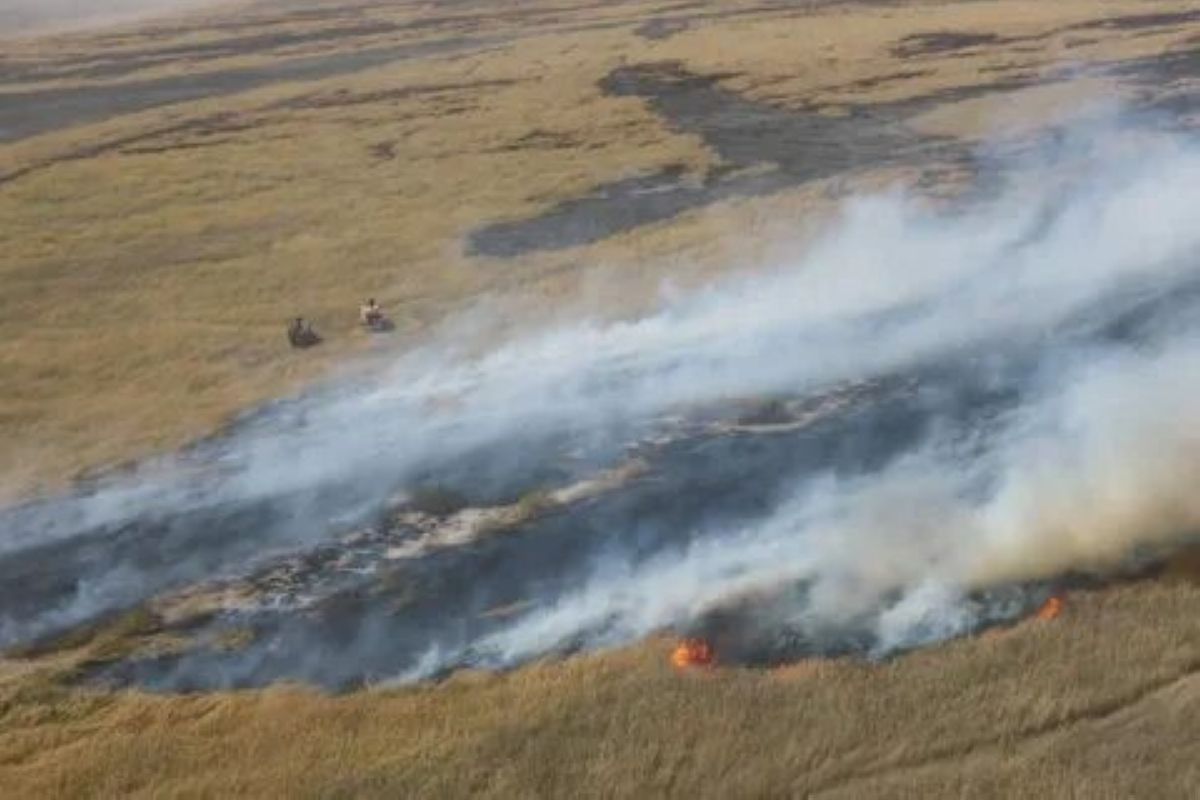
627, 724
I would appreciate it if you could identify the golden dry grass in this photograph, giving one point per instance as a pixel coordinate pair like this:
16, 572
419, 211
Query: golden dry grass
142, 296
1099, 703
147, 262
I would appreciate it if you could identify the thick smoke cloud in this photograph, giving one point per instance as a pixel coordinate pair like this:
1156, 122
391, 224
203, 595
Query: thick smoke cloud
1101, 464
1072, 298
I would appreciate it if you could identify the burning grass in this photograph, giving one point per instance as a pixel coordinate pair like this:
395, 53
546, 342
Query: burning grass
1052, 609
693, 653
1100, 704
172, 245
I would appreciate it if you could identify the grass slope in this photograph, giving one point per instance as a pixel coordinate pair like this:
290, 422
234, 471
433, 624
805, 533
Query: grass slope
1099, 703
149, 258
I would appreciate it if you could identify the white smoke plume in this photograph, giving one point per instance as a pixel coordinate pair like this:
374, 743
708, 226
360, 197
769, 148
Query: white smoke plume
891, 286
1103, 464
1093, 460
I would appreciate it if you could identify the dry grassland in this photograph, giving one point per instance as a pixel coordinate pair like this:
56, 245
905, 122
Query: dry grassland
1100, 703
148, 261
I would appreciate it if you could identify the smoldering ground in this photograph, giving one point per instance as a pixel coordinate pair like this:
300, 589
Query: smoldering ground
963, 406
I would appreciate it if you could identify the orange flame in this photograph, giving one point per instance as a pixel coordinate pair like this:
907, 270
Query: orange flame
692, 653
1051, 609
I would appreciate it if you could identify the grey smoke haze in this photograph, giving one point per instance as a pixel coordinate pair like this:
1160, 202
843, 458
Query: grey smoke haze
19, 17
1086, 472
1079, 297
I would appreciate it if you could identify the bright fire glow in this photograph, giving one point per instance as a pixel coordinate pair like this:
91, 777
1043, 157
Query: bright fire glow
692, 653
1051, 609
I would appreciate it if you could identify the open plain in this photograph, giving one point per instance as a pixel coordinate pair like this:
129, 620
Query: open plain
175, 188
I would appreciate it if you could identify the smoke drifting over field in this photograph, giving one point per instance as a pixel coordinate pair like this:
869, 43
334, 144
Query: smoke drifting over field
1021, 379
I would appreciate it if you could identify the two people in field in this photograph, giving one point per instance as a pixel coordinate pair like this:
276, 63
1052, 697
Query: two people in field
301, 334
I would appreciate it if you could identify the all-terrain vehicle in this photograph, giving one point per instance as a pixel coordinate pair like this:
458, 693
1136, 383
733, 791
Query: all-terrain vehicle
373, 319
300, 333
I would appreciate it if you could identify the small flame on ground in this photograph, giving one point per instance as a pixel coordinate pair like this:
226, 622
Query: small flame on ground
692, 653
1052, 608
